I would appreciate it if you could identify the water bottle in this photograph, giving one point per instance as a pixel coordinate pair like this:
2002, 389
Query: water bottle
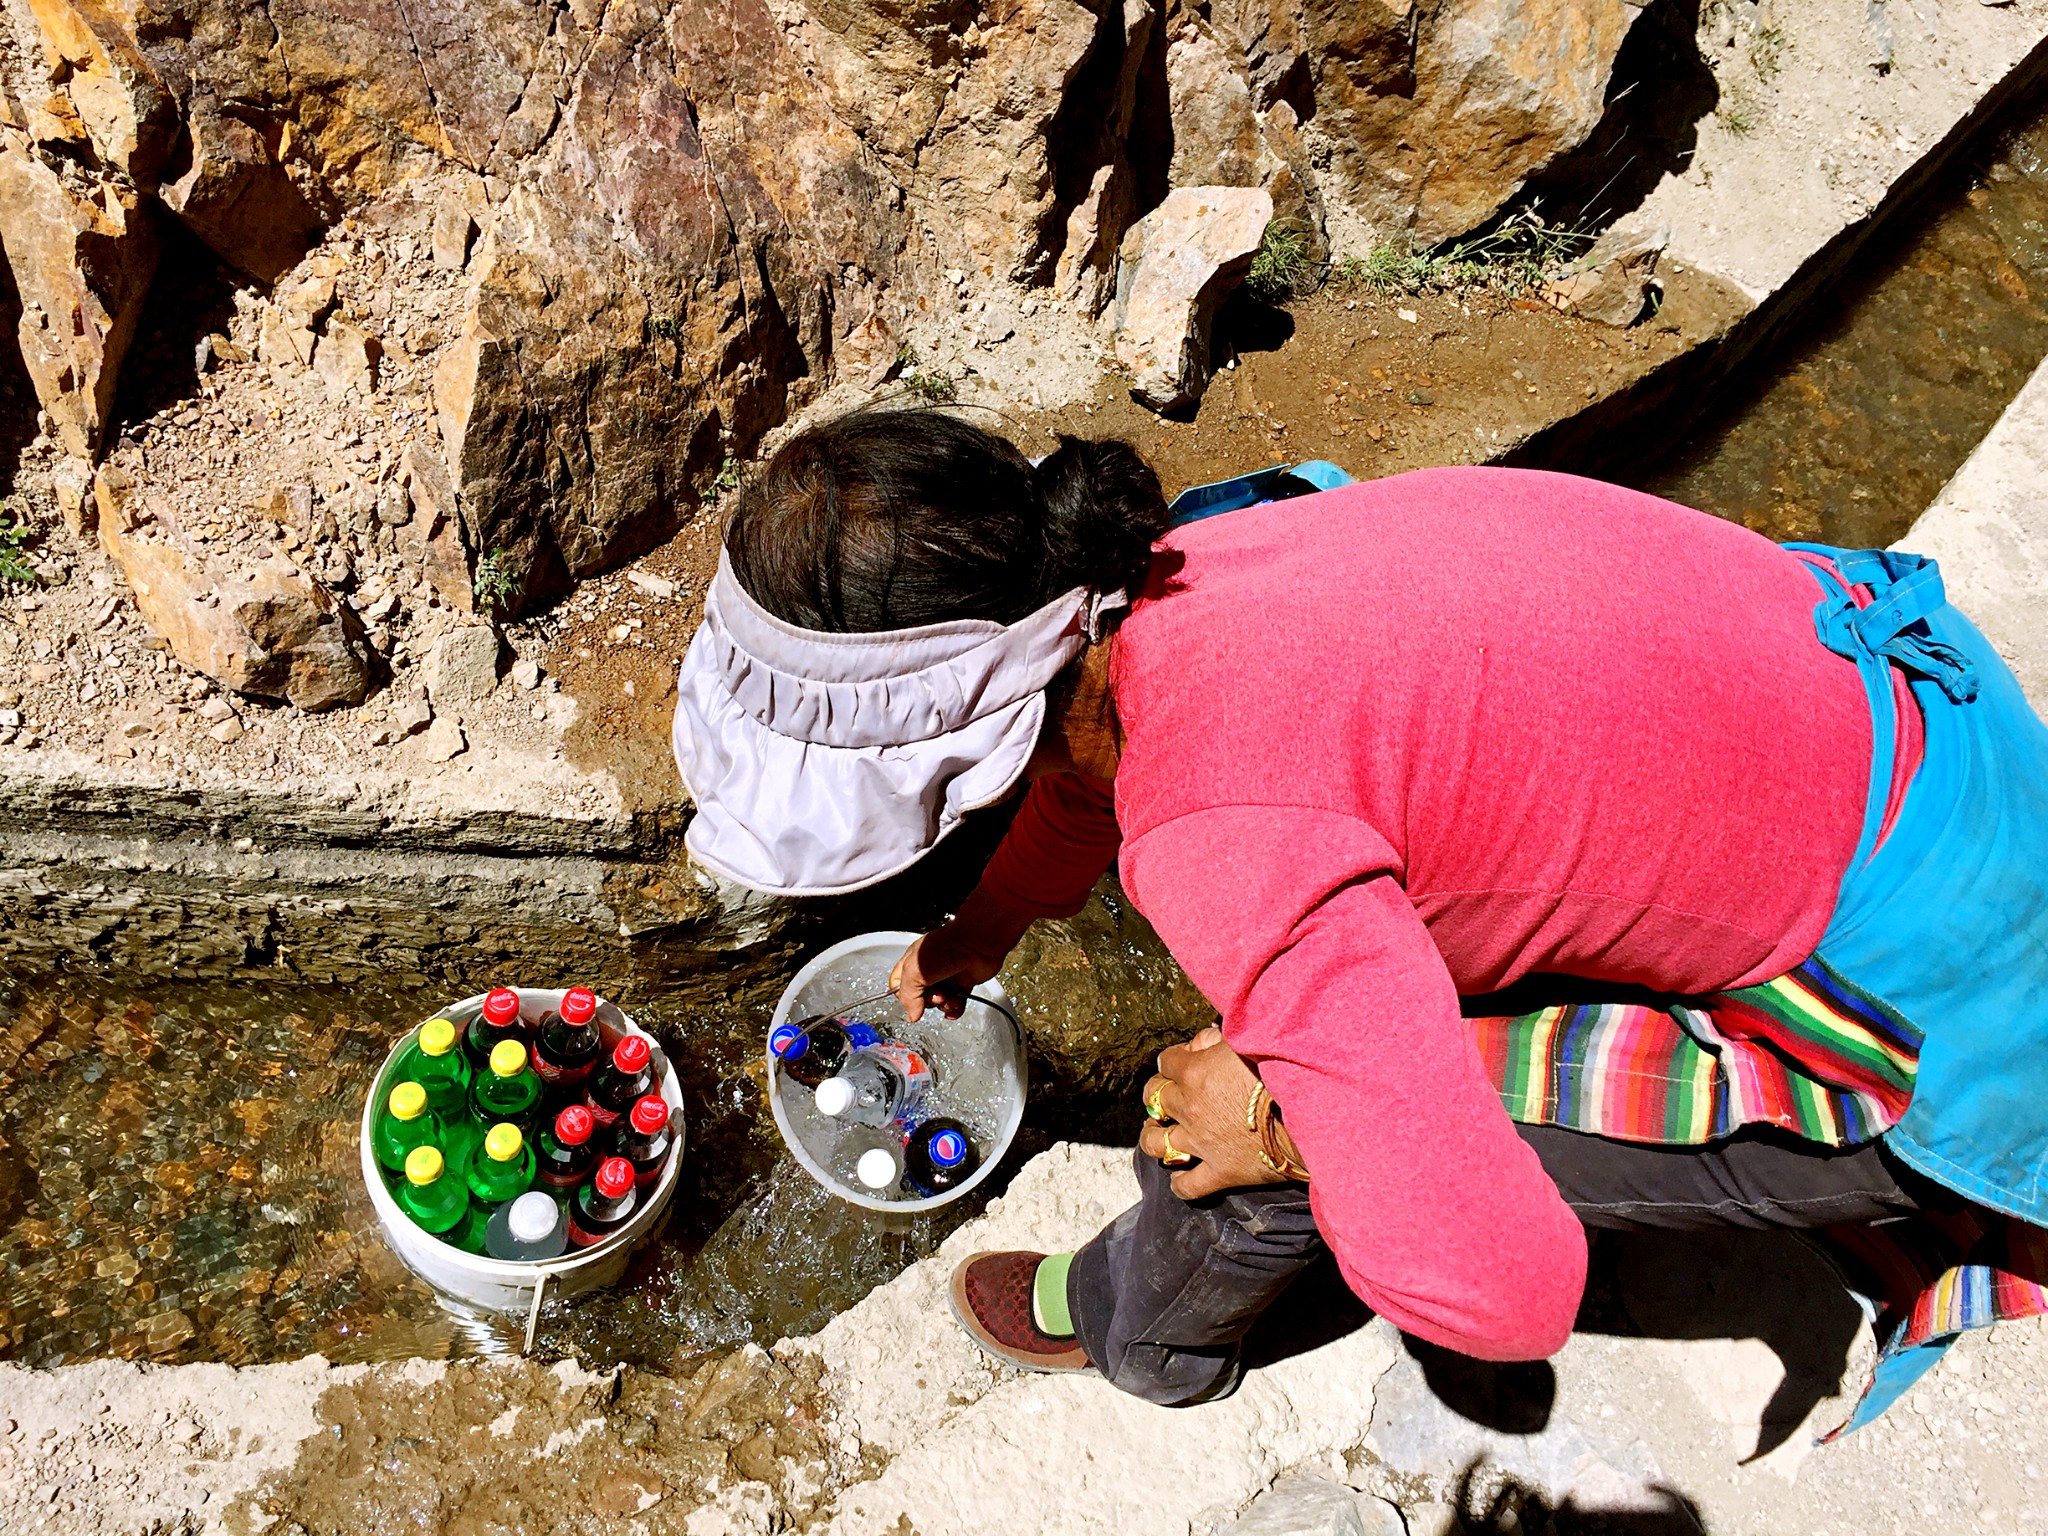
532, 1227
871, 1156
878, 1085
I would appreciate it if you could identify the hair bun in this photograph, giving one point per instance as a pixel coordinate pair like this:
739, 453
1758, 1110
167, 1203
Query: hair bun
1103, 512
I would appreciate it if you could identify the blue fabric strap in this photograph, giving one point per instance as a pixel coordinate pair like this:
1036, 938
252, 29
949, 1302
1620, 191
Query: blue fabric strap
1904, 589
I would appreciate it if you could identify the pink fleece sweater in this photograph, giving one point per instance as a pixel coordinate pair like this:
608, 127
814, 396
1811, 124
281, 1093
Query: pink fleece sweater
1424, 736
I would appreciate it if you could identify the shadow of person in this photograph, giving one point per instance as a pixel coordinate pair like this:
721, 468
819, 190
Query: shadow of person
1512, 1397
1485, 1503
1768, 1286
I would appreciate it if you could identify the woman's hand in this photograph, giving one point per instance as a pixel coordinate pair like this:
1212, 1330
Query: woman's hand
941, 968
1203, 1088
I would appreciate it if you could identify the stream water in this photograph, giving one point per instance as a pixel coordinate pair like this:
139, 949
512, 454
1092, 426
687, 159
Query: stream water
178, 1175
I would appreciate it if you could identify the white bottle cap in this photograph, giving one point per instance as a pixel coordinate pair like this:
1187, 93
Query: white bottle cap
834, 1096
876, 1168
533, 1216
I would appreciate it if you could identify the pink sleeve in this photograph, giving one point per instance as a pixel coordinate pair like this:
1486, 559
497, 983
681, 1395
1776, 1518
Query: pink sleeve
1064, 836
1293, 924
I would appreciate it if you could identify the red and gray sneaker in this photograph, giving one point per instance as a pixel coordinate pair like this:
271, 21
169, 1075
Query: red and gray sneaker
992, 1299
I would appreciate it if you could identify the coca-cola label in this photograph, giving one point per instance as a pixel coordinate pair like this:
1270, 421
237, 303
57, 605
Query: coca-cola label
562, 1180
604, 1119
578, 1236
554, 1076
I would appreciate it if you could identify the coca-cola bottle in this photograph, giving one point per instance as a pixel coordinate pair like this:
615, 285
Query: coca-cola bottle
565, 1151
644, 1139
566, 1045
499, 1020
616, 1085
603, 1205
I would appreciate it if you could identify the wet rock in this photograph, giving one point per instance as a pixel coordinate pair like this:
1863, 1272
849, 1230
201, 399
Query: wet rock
1306, 1505
462, 667
1611, 282
1177, 264
263, 628
236, 194
82, 262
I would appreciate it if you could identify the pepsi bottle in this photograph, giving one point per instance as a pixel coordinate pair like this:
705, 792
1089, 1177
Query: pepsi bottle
940, 1155
815, 1049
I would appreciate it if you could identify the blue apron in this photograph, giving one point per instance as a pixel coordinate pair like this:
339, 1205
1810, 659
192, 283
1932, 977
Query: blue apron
1947, 922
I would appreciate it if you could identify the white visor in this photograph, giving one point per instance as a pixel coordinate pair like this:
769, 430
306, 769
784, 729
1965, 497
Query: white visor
821, 763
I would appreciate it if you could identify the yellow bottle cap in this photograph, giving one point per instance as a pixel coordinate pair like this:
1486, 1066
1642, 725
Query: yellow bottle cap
437, 1037
408, 1101
508, 1058
423, 1165
503, 1142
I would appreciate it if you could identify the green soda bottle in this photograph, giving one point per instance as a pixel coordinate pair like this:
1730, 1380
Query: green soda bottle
434, 1062
510, 1090
405, 1124
468, 1233
502, 1168
434, 1201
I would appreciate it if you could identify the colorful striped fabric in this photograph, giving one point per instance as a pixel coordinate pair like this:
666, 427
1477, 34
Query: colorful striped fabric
1807, 1052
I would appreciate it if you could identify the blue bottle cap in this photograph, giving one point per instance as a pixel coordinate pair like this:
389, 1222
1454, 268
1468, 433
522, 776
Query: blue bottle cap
859, 1035
787, 1042
948, 1149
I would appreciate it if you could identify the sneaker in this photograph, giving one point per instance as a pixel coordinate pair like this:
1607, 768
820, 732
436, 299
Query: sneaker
991, 1296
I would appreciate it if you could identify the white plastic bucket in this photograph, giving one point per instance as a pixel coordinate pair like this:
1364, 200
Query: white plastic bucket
499, 1285
859, 968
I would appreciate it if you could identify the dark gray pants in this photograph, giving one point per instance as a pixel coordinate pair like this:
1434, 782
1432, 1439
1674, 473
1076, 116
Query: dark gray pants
1164, 1296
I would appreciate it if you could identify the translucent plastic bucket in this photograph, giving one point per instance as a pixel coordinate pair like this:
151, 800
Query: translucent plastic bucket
985, 1039
498, 1285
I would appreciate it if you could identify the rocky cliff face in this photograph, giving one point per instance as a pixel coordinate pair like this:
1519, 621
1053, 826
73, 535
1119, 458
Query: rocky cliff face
553, 264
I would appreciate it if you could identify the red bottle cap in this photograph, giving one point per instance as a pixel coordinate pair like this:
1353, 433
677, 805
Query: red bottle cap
614, 1177
579, 1005
573, 1126
631, 1054
649, 1114
501, 1006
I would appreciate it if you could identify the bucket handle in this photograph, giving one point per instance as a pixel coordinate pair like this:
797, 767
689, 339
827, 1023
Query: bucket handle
540, 1289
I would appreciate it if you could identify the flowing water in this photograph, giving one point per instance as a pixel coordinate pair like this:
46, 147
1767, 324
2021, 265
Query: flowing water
178, 1166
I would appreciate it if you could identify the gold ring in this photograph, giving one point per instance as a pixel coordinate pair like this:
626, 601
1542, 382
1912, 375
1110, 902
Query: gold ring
1172, 1157
1154, 1109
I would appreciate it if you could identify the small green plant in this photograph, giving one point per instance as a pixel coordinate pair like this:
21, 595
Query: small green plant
727, 480
1280, 268
1739, 115
494, 584
1767, 53
666, 326
931, 387
14, 533
1522, 252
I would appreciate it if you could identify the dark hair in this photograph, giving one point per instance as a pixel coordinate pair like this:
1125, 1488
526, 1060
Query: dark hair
888, 519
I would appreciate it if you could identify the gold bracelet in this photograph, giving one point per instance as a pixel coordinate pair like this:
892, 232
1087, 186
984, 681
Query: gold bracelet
1261, 1115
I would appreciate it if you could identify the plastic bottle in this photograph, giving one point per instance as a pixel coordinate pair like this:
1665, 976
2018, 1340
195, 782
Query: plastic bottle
878, 1085
501, 1170
434, 1201
566, 1045
433, 1062
627, 1077
940, 1155
406, 1123
871, 1156
603, 1205
500, 1020
566, 1151
814, 1049
527, 1229
643, 1139
469, 1233
509, 1090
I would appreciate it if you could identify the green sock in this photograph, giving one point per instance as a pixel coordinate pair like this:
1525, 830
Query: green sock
1049, 1296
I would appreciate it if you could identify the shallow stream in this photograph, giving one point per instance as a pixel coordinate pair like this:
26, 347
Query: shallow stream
178, 1175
